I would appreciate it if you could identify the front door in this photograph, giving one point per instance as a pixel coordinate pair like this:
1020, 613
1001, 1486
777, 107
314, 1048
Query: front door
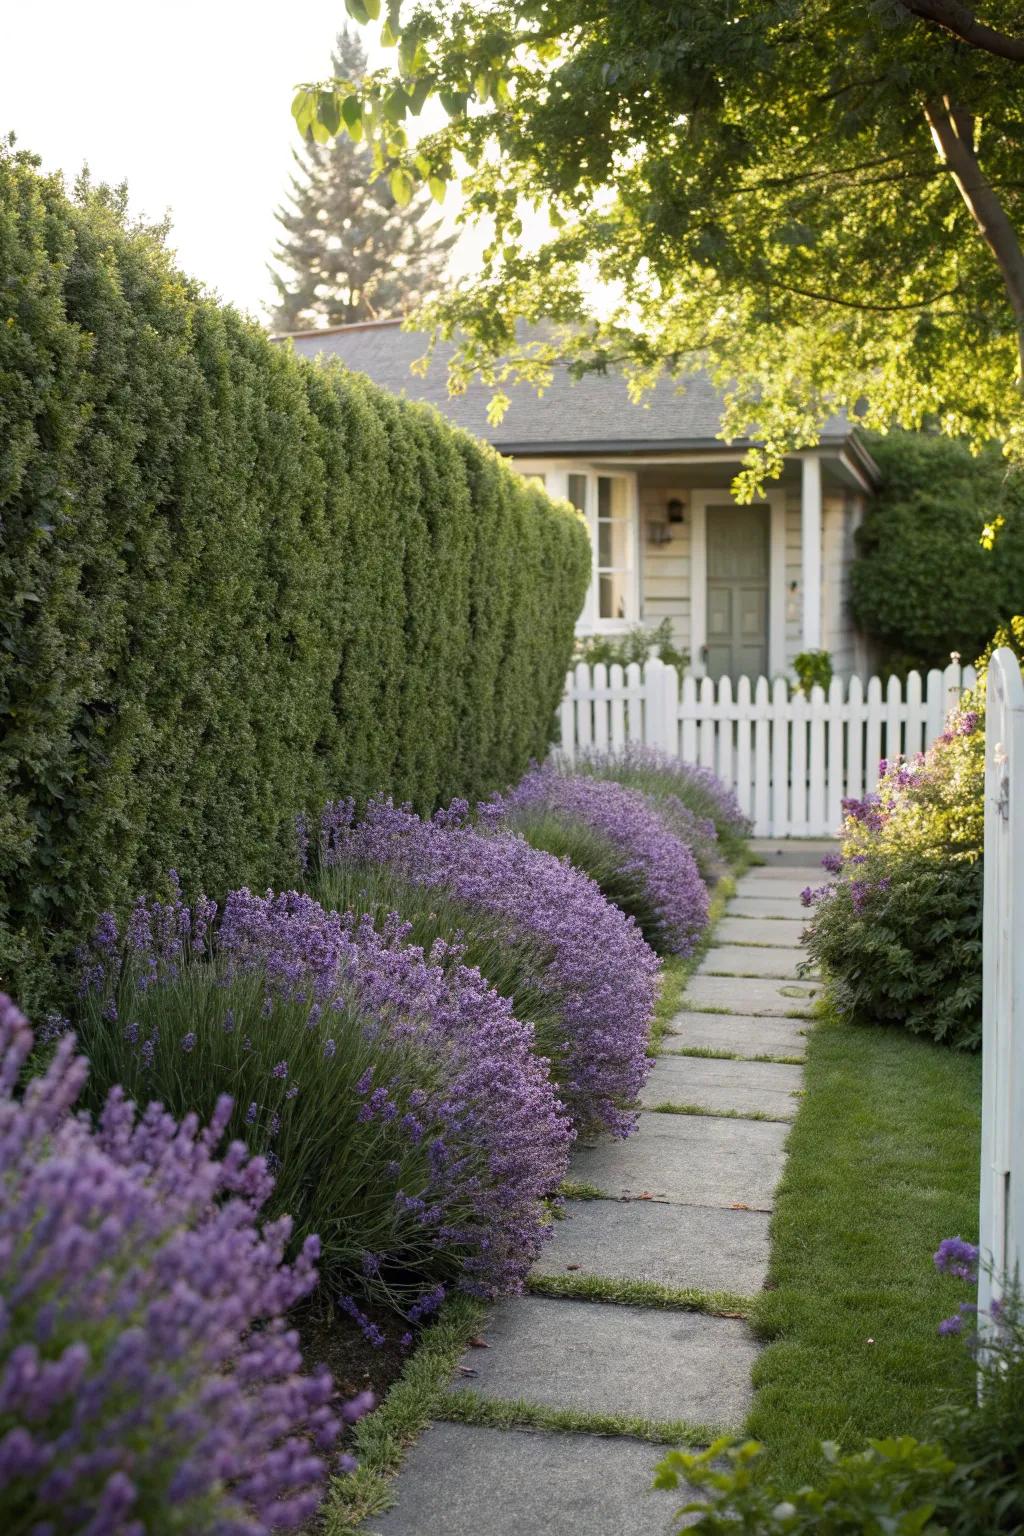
737, 610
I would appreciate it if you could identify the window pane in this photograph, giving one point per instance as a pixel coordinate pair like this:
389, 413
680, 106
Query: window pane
612, 595
613, 543
578, 491
604, 496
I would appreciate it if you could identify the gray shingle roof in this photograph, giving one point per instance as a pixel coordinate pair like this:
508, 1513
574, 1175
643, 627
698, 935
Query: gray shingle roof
591, 415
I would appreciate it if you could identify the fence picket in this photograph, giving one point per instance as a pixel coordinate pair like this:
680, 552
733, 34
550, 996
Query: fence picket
600, 706
836, 754
743, 783
762, 824
790, 758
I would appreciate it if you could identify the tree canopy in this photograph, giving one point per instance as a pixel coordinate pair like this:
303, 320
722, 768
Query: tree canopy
818, 200
348, 251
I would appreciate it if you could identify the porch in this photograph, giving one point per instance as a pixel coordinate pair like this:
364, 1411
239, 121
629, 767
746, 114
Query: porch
745, 588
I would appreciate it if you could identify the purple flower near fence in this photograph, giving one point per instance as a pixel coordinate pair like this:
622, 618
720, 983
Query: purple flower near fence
717, 799
132, 1271
590, 957
629, 822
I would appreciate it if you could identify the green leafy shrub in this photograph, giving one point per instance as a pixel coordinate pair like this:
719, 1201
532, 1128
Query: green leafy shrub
923, 583
235, 584
898, 931
813, 670
638, 644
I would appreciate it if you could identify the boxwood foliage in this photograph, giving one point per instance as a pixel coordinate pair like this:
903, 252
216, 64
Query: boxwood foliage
235, 584
922, 582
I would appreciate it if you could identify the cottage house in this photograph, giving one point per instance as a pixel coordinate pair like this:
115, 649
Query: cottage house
746, 588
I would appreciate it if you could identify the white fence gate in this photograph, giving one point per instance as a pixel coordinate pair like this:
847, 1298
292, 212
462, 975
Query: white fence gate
1002, 1123
792, 759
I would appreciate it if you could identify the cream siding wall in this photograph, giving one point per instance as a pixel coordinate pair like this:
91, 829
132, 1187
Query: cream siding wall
665, 568
794, 578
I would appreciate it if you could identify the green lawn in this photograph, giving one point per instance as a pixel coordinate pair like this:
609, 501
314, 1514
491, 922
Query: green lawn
883, 1164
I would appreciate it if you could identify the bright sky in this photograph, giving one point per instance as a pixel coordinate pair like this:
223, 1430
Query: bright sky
189, 102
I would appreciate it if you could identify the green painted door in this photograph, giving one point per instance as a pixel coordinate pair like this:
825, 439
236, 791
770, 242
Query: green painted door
737, 603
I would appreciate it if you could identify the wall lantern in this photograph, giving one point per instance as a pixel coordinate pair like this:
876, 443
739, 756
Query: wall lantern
675, 511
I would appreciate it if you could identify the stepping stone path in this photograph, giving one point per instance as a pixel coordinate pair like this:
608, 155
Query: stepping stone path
683, 1204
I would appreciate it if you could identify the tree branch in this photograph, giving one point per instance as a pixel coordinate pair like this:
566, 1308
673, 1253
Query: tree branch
953, 131
961, 22
881, 309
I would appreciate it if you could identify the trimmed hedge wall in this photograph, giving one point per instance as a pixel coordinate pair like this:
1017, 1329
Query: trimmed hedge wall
922, 584
234, 585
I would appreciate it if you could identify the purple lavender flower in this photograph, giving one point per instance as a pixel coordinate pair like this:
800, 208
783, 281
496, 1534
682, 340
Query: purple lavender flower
188, 1042
148, 1387
281, 1070
628, 824
956, 1257
591, 961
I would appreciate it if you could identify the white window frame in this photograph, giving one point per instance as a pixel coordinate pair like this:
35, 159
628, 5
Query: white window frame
556, 474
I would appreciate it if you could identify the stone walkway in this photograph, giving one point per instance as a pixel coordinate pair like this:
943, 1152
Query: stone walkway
687, 1202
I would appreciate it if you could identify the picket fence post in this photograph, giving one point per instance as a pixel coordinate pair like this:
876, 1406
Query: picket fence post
1002, 1123
790, 757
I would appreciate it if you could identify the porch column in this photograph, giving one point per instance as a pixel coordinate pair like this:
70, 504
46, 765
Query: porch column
810, 548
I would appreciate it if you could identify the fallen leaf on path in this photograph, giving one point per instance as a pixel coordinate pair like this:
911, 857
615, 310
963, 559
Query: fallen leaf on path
478, 1343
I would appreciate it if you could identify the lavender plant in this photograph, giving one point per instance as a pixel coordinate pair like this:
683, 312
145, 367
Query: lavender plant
539, 930
395, 1094
619, 837
149, 1381
666, 777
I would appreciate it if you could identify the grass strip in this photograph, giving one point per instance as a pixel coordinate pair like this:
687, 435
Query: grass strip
640, 1293
718, 1114
570, 1189
380, 1440
882, 1164
468, 1407
712, 1053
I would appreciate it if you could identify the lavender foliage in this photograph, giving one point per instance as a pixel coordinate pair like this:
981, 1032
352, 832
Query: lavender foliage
585, 964
149, 1381
397, 1096
661, 774
654, 873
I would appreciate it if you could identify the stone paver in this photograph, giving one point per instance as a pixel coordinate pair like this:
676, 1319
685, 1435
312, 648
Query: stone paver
678, 1245
690, 1159
747, 960
741, 1034
749, 1087
757, 906
786, 885
753, 995
792, 853
759, 930
622, 1360
459, 1480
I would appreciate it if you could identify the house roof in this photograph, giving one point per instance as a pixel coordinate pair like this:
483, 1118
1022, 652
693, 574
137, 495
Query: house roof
591, 415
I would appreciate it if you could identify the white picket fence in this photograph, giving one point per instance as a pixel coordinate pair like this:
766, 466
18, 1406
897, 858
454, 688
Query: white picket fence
792, 759
1002, 1124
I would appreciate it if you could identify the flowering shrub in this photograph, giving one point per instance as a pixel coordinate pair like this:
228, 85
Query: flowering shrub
618, 836
539, 930
664, 776
148, 1379
395, 1094
898, 929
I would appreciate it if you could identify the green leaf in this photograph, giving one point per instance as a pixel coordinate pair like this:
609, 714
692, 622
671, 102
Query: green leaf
418, 95
454, 102
402, 185
395, 105
437, 187
359, 11
328, 111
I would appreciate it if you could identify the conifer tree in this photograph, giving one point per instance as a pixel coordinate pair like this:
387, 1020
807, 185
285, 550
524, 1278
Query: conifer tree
348, 251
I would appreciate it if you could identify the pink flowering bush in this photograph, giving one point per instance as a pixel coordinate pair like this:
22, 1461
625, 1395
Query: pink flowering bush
575, 967
623, 840
396, 1096
149, 1382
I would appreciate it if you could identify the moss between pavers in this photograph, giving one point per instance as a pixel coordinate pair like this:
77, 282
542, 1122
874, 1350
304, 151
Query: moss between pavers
641, 1293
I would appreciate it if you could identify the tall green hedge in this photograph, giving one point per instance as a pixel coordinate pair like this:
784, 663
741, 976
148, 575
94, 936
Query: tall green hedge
922, 584
234, 584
